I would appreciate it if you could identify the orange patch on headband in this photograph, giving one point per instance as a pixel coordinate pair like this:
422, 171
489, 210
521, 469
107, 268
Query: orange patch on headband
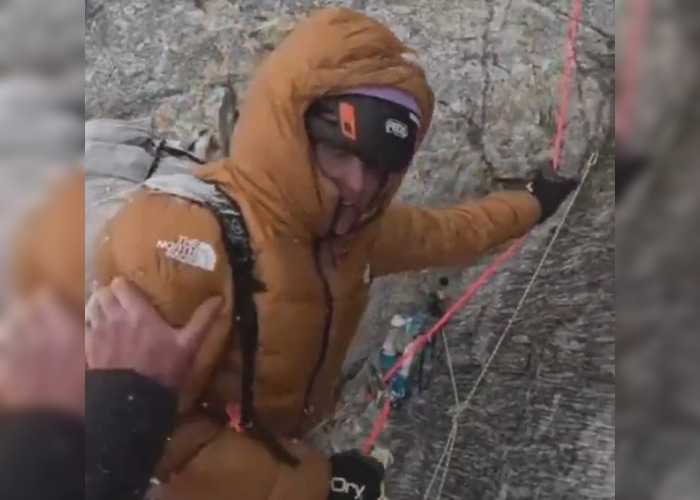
347, 120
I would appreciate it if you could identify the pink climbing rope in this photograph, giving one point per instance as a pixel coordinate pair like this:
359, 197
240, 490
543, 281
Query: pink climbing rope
426, 337
378, 428
383, 418
569, 63
634, 36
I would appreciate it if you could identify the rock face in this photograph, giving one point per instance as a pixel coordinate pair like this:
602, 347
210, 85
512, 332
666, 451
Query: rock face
541, 424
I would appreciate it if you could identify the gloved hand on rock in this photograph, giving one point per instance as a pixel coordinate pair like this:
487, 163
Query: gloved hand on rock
550, 190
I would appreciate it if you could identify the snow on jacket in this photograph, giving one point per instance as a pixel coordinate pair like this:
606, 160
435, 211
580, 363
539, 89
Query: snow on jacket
315, 289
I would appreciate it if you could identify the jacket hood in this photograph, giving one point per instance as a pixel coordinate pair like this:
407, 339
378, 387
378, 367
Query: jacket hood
331, 52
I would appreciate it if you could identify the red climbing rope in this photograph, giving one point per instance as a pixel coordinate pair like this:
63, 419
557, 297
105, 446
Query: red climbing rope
427, 337
379, 426
383, 418
569, 63
634, 36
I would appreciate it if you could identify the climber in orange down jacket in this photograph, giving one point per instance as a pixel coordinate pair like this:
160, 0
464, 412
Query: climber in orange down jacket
326, 135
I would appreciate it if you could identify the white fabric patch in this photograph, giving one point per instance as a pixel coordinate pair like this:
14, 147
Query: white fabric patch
398, 321
189, 251
395, 127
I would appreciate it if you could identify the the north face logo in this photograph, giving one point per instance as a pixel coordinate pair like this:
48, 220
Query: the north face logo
395, 127
188, 251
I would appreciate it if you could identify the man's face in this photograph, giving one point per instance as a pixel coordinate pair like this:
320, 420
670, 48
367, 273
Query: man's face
356, 184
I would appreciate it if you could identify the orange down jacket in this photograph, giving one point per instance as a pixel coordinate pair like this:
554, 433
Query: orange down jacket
315, 290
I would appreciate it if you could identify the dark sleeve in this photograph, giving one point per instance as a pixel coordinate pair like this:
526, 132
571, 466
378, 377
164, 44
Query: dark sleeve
41, 456
128, 420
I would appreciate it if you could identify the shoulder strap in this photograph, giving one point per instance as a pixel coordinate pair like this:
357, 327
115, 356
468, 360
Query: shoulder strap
241, 260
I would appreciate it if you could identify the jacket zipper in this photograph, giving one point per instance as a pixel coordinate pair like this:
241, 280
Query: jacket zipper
326, 322
326, 325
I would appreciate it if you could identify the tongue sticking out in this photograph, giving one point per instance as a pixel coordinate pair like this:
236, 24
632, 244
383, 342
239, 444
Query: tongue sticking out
348, 216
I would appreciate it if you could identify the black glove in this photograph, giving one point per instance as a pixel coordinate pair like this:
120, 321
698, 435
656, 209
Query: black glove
628, 166
355, 476
550, 192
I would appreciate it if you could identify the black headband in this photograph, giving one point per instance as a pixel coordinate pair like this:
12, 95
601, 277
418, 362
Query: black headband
381, 133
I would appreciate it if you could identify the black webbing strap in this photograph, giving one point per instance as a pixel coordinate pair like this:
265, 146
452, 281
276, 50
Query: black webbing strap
163, 147
240, 256
156, 159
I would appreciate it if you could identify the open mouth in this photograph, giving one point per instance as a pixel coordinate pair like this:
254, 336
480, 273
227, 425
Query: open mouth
346, 219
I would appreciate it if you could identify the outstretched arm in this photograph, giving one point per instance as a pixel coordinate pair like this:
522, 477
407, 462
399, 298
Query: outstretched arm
414, 238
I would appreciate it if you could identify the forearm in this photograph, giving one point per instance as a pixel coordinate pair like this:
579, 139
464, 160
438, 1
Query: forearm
128, 420
414, 238
41, 456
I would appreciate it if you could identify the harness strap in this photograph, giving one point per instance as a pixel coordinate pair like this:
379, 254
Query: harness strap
163, 147
156, 159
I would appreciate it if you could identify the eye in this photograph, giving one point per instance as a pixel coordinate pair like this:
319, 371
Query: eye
334, 152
